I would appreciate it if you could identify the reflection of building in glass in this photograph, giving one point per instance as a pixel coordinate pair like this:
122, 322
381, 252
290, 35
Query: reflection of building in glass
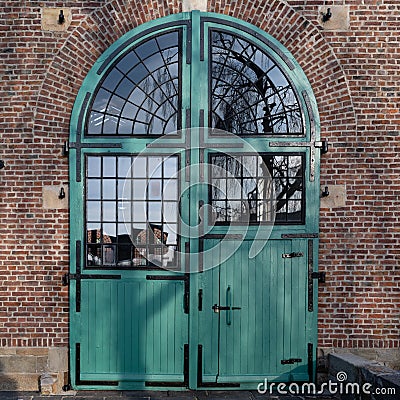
138, 249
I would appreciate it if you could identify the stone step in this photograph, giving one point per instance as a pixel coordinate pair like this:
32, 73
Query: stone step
14, 381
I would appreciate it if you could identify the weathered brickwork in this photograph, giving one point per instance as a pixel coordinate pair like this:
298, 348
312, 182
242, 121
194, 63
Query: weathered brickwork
354, 75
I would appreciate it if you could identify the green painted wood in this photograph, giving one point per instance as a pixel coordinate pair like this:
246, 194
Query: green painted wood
127, 334
271, 324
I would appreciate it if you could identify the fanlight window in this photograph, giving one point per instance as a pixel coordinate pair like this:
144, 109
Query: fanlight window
249, 92
141, 93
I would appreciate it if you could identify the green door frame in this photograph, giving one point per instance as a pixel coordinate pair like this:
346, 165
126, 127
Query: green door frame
195, 26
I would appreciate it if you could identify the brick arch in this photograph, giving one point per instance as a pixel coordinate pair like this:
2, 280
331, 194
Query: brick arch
105, 25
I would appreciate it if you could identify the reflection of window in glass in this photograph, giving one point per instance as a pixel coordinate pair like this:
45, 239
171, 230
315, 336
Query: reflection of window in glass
140, 95
249, 92
253, 188
131, 211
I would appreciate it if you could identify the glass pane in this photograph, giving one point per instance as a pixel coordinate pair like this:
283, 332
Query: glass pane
137, 74
219, 210
93, 211
109, 166
139, 167
110, 125
234, 210
94, 167
155, 167
167, 40
170, 212
109, 211
113, 79
124, 212
170, 167
110, 231
125, 127
130, 111
115, 105
93, 189
125, 88
128, 62
101, 101
139, 189
155, 189
170, 191
155, 212
233, 189
146, 49
95, 123
250, 164
109, 189
172, 237
124, 189
219, 189
249, 188
139, 213
124, 166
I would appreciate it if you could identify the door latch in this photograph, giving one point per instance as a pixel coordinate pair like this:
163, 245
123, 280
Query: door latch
218, 308
291, 361
292, 255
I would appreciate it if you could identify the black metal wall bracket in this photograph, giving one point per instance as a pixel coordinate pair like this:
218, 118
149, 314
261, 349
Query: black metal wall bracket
65, 279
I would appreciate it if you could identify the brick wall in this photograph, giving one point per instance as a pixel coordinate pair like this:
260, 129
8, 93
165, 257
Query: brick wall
353, 72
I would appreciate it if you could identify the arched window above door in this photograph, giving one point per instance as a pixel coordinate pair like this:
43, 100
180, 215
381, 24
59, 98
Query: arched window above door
142, 91
140, 95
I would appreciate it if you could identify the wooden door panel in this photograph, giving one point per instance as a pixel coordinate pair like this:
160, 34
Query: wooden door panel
134, 330
270, 326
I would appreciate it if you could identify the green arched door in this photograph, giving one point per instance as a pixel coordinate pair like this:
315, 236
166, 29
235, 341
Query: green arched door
194, 211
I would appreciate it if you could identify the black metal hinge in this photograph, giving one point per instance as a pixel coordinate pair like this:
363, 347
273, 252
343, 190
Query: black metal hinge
321, 276
323, 145
292, 255
291, 361
200, 300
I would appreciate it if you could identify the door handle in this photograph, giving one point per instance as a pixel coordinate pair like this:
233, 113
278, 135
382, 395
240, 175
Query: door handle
217, 308
229, 302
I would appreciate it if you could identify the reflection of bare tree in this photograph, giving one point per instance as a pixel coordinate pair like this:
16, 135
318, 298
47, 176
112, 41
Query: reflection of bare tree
161, 104
245, 98
243, 191
287, 173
